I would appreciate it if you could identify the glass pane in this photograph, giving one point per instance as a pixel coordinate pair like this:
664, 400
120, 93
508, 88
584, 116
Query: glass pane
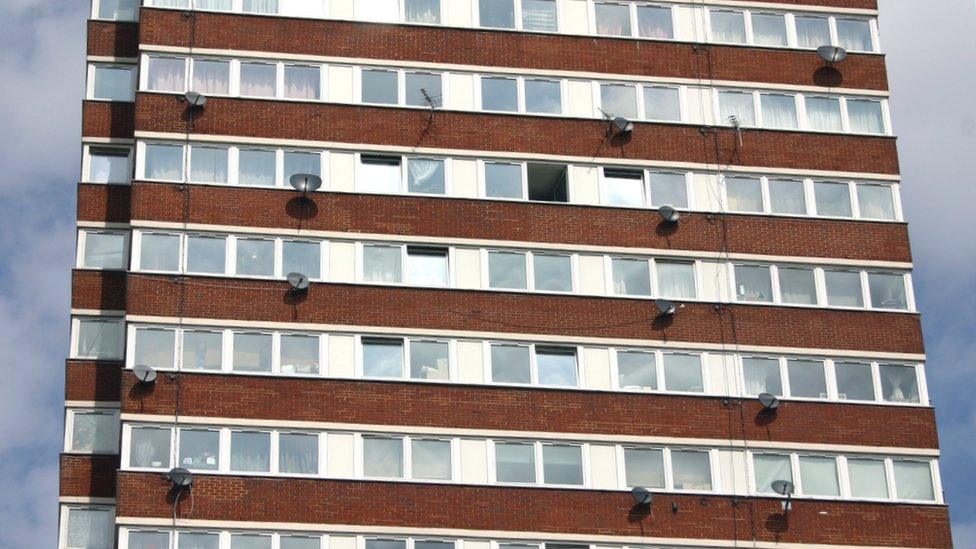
669, 189
557, 367
269, 7
854, 34
514, 462
745, 195
104, 250
899, 383
379, 86
692, 470
497, 13
302, 82
425, 175
506, 270
623, 187
562, 464
779, 111
675, 279
510, 364
423, 11
252, 352
90, 529
812, 32
854, 381
164, 162
302, 162
431, 459
753, 283
797, 286
503, 180
762, 375
206, 254
299, 542
99, 338
298, 453
198, 541
149, 447
299, 354
431, 544
166, 74
843, 289
807, 379
381, 264
382, 457
728, 26
654, 22
769, 29
631, 277
211, 77
768, 469
256, 167
865, 116
255, 257
155, 347
738, 106
662, 104
108, 166
887, 291
250, 452
833, 199
683, 373
429, 360
553, 273
148, 540
868, 478
94, 432
202, 350
250, 541
618, 100
786, 196
382, 357
113, 83
302, 257
426, 267
199, 449
913, 480
819, 476
539, 15
216, 5
876, 202
644, 467
823, 114
543, 96
499, 94
612, 20
386, 544
208, 164
117, 10
379, 174
636, 370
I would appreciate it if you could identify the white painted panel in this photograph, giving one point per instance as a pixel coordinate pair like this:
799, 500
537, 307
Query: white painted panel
684, 24
383, 11
340, 84
579, 99
342, 356
596, 368
706, 195
467, 268
341, 542
575, 17
732, 475
474, 461
721, 374
698, 103
302, 8
341, 9
464, 178
342, 261
460, 94
457, 13
592, 278
471, 367
341, 455
342, 171
476, 544
585, 185
715, 281
603, 467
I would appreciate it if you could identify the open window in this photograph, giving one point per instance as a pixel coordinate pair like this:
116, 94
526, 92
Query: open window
547, 182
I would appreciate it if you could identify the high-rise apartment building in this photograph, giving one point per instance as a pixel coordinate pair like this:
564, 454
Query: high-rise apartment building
583, 274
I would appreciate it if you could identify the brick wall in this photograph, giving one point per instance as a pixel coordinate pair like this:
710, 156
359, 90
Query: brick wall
107, 119
88, 475
97, 202
104, 290
92, 380
113, 39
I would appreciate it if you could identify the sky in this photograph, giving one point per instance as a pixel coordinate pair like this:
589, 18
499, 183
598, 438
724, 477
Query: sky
931, 47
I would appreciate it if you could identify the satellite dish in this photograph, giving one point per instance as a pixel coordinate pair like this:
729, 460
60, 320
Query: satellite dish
832, 54
180, 477
783, 487
298, 281
669, 214
769, 402
621, 126
305, 182
145, 374
642, 496
665, 307
195, 100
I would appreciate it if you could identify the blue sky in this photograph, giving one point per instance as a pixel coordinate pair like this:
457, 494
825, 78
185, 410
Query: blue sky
932, 57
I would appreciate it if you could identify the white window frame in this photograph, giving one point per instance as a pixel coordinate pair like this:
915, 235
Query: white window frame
69, 423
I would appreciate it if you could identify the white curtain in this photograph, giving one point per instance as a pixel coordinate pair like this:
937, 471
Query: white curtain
381, 264
728, 26
612, 19
786, 196
539, 15
631, 277
215, 5
779, 111
301, 82
676, 279
769, 29
164, 162
258, 79
91, 528
854, 34
819, 476
298, 454
762, 375
744, 195
812, 32
865, 116
250, 452
737, 104
770, 468
256, 167
166, 74
797, 286
823, 114
149, 447
833, 199
208, 164
93, 432
423, 11
211, 76
899, 383
913, 480
426, 175
843, 289
875, 202
382, 457
260, 6
655, 22
868, 478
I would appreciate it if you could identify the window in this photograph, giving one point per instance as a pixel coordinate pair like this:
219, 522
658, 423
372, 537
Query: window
426, 266
854, 34
148, 540
876, 202
762, 375
208, 164
108, 165
258, 79
644, 467
301, 257
778, 111
252, 352
807, 378
211, 76
250, 541
812, 32
256, 167
514, 462
299, 354
99, 338
727, 26
854, 381
155, 347
301, 162
420, 83
618, 100
104, 250
612, 19
429, 360
202, 350
379, 86
255, 256
431, 459
691, 470
166, 74
298, 453
623, 187
160, 252
797, 286
433, 544
547, 182
117, 10
823, 114
302, 82
539, 15
423, 11
425, 175
553, 273
299, 542
887, 291
543, 96
506, 270
913, 480
113, 83
899, 383
655, 22
379, 173
769, 29
268, 7
843, 289
90, 528
503, 180
250, 451
381, 263
669, 189
736, 108
562, 464
675, 279
865, 116
556, 366
94, 432
819, 476
769, 468
382, 357
753, 283
215, 5
200, 449
868, 478
382, 457
662, 104
385, 544
744, 194
510, 364
497, 13
149, 447
683, 373
833, 199
786, 196
499, 94
631, 277
164, 162
636, 370
206, 254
